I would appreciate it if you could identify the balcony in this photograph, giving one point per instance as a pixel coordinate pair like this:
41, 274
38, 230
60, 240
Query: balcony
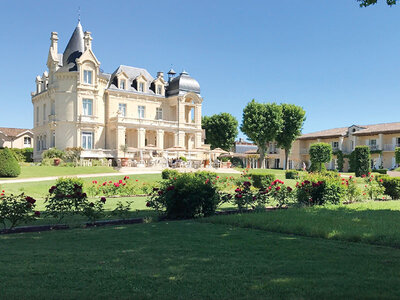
87, 119
390, 147
98, 153
374, 147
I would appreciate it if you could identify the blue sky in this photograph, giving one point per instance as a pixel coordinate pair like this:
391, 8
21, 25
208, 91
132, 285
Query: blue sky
340, 62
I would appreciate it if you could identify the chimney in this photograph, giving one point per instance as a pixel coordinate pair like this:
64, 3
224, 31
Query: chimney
160, 75
88, 40
54, 42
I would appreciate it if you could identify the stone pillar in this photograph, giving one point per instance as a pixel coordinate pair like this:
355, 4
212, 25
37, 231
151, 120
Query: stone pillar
181, 139
197, 115
160, 139
380, 146
141, 138
341, 139
197, 140
181, 110
176, 139
120, 139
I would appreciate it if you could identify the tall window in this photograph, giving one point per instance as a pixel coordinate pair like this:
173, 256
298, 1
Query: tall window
53, 139
87, 140
44, 112
398, 141
122, 84
158, 91
141, 111
87, 76
37, 114
27, 141
53, 108
335, 145
122, 109
87, 107
159, 113
44, 142
141, 87
38, 143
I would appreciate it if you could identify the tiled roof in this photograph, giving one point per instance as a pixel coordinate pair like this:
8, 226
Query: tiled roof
335, 132
364, 130
13, 132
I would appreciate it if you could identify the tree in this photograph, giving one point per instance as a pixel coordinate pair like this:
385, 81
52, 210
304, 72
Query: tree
262, 122
320, 153
397, 155
293, 117
362, 159
221, 130
365, 3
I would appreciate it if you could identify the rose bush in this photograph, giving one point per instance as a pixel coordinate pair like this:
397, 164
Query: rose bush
16, 209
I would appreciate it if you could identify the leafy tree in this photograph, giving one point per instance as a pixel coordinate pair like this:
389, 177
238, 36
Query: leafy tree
365, 3
320, 153
293, 117
362, 159
221, 130
262, 122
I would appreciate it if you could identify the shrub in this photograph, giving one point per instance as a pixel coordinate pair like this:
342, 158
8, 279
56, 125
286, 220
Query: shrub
380, 171
186, 197
121, 187
224, 158
315, 167
53, 153
340, 159
169, 173
373, 188
183, 158
23, 155
352, 191
362, 160
17, 209
244, 197
280, 193
352, 161
65, 197
320, 153
392, 186
262, 181
28, 153
319, 189
237, 162
292, 174
397, 155
122, 210
93, 210
9, 166
204, 175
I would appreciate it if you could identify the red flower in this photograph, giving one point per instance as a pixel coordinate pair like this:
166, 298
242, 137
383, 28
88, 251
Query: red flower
380, 180
148, 204
277, 188
238, 190
238, 196
51, 190
110, 181
217, 177
91, 204
104, 183
103, 199
137, 180
170, 188
37, 213
30, 200
289, 189
120, 181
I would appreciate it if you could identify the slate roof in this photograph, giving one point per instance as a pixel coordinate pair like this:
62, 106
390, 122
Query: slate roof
74, 49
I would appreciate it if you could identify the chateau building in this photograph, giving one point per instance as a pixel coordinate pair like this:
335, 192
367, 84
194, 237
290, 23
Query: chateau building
16, 138
114, 115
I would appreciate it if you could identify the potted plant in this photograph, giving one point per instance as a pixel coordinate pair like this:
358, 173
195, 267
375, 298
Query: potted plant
124, 160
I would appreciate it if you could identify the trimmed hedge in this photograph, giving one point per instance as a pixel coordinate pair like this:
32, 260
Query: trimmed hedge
262, 181
397, 155
169, 173
9, 166
362, 160
391, 185
292, 174
320, 153
380, 171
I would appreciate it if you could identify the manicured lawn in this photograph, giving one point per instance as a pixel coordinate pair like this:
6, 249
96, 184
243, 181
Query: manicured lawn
190, 260
47, 171
370, 222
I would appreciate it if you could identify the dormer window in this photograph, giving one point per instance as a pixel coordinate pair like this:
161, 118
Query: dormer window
159, 89
87, 76
122, 84
141, 87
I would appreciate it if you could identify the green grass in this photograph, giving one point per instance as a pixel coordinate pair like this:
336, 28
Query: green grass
189, 260
370, 222
47, 171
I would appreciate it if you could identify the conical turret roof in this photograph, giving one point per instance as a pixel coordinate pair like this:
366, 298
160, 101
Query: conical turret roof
74, 48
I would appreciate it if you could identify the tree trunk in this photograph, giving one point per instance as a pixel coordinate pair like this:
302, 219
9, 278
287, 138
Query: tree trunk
287, 159
262, 157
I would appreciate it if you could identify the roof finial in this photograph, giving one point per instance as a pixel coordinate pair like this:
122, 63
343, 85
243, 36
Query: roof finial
79, 14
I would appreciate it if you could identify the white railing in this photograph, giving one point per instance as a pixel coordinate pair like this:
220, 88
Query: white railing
145, 122
390, 147
87, 119
97, 153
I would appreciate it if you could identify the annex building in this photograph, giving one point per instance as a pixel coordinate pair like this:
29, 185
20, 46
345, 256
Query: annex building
114, 115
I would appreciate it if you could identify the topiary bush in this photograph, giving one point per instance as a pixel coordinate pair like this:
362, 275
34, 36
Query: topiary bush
320, 153
187, 196
380, 171
292, 174
397, 155
362, 157
9, 166
169, 173
262, 180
